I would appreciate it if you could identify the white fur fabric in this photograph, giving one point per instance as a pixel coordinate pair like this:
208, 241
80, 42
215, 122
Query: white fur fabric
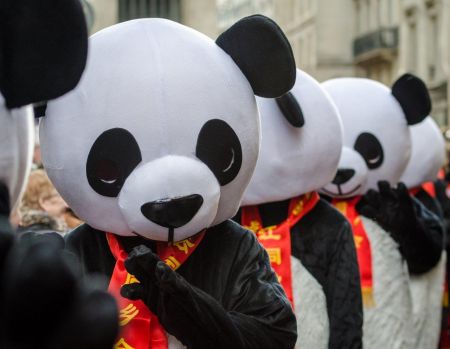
388, 325
313, 327
174, 343
427, 291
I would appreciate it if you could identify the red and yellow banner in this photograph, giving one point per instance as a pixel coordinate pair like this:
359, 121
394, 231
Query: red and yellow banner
363, 250
140, 328
276, 239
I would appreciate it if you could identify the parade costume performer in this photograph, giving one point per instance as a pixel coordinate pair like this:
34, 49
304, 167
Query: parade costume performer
388, 225
427, 157
310, 244
164, 137
42, 305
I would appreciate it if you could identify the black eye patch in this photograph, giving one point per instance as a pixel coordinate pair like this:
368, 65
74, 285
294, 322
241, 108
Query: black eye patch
113, 156
219, 148
370, 149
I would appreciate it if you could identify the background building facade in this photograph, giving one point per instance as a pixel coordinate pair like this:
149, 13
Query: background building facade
378, 39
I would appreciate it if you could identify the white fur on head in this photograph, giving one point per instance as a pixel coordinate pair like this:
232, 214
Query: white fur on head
16, 148
161, 82
427, 155
296, 160
368, 107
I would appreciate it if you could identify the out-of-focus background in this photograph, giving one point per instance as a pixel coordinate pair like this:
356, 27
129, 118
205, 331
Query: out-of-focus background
378, 39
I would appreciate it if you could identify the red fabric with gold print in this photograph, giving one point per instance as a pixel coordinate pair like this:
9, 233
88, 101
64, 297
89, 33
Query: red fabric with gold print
140, 328
428, 187
277, 239
363, 250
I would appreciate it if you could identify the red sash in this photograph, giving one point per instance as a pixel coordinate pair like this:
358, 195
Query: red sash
362, 243
276, 239
428, 187
140, 328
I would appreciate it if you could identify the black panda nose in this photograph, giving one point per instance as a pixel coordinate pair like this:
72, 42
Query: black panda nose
343, 175
173, 212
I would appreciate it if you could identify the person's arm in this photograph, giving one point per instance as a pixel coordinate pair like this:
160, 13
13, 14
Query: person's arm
418, 232
257, 315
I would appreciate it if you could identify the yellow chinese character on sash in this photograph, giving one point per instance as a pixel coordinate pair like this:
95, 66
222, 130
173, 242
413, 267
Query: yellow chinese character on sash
127, 314
172, 262
254, 226
274, 255
121, 344
358, 240
341, 206
267, 234
184, 245
131, 279
298, 208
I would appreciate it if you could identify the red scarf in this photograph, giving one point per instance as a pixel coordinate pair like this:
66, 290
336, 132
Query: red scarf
276, 239
140, 328
362, 243
428, 187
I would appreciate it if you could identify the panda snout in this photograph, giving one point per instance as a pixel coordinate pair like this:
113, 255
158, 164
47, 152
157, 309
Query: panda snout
172, 212
343, 175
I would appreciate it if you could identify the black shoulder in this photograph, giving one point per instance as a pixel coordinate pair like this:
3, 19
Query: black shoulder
325, 216
91, 247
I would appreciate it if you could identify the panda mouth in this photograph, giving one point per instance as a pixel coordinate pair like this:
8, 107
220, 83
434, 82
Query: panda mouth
340, 193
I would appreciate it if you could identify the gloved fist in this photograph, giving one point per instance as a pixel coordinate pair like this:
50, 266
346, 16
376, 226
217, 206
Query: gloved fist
392, 208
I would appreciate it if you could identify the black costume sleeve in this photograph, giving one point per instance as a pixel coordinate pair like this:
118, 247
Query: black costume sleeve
254, 313
419, 233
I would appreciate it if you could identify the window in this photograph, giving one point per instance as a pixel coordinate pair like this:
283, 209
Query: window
131, 9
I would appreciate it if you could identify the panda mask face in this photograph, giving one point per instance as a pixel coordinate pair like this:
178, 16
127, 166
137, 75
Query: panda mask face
301, 143
427, 155
162, 134
377, 143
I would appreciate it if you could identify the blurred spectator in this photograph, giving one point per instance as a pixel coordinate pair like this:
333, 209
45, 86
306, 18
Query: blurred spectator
37, 160
42, 209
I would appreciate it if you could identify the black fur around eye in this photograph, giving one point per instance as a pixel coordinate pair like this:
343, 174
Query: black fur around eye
219, 148
113, 156
370, 149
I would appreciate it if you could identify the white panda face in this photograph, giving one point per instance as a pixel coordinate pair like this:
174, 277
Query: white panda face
16, 148
377, 141
296, 160
161, 135
427, 155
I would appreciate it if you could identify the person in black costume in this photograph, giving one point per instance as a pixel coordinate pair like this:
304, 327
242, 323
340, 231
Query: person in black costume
297, 157
164, 137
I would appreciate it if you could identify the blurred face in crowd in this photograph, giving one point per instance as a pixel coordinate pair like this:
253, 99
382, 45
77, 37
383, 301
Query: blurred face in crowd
53, 204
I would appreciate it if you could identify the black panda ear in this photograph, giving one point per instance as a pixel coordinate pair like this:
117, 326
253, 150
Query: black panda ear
412, 94
291, 109
263, 53
43, 49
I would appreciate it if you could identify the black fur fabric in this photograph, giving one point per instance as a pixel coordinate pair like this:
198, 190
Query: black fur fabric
43, 49
323, 241
226, 285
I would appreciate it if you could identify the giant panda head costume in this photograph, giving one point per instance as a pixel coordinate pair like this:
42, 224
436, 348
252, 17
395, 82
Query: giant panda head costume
427, 154
42, 55
376, 120
161, 136
301, 143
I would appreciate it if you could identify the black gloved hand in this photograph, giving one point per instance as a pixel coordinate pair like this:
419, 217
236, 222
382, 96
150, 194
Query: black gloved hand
393, 209
418, 232
43, 305
191, 315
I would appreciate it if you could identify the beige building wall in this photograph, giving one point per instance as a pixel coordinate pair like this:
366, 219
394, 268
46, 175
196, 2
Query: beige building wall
105, 13
201, 15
